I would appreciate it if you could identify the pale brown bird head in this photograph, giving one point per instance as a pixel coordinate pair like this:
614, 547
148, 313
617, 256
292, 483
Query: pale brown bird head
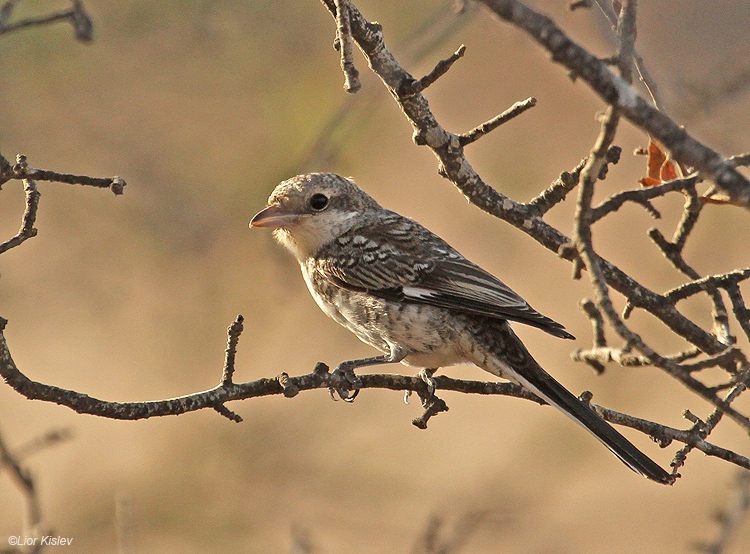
308, 211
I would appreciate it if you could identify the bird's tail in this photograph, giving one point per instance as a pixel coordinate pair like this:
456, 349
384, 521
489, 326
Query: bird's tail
511, 360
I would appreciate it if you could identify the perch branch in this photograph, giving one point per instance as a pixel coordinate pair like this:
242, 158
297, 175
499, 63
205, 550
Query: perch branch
319, 378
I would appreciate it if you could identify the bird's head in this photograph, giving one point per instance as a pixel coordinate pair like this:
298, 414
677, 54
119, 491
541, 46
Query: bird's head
309, 211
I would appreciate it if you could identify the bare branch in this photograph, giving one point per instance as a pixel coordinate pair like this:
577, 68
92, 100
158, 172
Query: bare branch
29, 175
597, 357
83, 27
626, 35
442, 67
23, 478
558, 190
580, 4
701, 430
727, 359
20, 171
320, 378
478, 132
233, 337
344, 41
640, 196
617, 92
665, 435
741, 313
27, 230
597, 321
24, 481
673, 252
433, 541
740, 159
707, 284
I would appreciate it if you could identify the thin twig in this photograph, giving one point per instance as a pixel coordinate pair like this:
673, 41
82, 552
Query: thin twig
727, 359
26, 484
741, 313
740, 160
116, 184
626, 35
442, 67
701, 430
27, 229
81, 21
233, 337
672, 250
664, 435
640, 196
597, 357
558, 190
707, 284
597, 321
344, 37
478, 132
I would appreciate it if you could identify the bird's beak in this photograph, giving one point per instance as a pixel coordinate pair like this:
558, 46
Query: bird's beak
273, 217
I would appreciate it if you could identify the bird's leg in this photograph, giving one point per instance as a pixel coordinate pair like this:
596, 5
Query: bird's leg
346, 370
426, 374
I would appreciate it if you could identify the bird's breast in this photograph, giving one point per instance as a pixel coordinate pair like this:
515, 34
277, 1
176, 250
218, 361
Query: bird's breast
430, 335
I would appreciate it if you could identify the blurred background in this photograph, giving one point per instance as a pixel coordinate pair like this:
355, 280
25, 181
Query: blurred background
203, 107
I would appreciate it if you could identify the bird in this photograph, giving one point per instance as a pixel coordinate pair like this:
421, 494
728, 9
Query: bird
405, 291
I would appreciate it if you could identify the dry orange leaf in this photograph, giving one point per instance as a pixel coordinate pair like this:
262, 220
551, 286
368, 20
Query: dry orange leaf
661, 166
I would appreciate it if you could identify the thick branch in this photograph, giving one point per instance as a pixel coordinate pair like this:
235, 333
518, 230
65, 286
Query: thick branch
615, 91
288, 386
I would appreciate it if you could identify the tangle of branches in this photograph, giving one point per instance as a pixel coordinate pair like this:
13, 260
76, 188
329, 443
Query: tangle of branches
680, 166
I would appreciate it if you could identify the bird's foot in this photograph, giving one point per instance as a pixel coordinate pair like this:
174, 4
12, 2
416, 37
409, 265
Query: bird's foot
427, 376
345, 373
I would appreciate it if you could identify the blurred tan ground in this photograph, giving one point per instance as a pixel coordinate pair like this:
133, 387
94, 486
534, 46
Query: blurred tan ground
203, 107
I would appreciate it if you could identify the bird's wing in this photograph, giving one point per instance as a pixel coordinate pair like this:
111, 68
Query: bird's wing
462, 285
420, 267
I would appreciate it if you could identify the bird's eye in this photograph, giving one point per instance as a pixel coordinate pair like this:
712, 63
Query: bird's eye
318, 201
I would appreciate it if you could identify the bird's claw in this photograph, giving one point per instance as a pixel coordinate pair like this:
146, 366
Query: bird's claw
427, 376
345, 373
